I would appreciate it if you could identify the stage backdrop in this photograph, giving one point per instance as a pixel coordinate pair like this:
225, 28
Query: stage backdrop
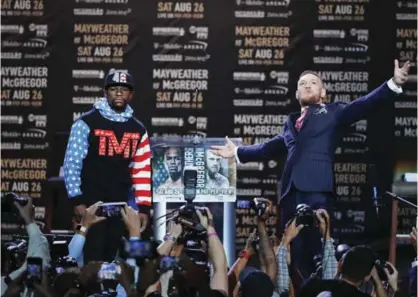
214, 68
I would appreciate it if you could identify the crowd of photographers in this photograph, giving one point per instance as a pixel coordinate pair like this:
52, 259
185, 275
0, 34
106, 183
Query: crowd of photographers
191, 261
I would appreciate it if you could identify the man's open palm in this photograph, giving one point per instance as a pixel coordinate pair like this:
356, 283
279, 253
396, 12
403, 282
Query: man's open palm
225, 151
400, 74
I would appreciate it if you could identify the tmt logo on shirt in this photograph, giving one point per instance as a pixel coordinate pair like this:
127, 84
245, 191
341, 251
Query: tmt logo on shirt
109, 145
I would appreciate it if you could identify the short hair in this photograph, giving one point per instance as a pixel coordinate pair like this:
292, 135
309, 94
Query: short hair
310, 72
175, 148
357, 263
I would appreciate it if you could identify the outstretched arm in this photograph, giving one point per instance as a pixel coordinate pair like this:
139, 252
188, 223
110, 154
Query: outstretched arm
362, 107
261, 152
257, 152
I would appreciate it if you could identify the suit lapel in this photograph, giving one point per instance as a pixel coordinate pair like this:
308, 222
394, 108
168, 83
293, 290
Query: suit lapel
292, 121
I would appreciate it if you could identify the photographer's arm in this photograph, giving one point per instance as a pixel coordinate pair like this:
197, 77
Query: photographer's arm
240, 263
329, 261
378, 286
283, 257
75, 247
266, 250
217, 255
174, 231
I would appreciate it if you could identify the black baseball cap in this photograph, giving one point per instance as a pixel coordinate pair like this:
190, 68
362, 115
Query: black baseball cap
119, 78
255, 283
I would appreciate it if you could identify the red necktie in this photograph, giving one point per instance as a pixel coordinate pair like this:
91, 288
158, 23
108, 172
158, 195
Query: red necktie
299, 121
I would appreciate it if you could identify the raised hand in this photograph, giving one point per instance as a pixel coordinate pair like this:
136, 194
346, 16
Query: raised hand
27, 212
400, 74
224, 151
90, 217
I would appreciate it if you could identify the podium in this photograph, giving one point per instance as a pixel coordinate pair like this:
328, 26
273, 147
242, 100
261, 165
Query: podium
216, 183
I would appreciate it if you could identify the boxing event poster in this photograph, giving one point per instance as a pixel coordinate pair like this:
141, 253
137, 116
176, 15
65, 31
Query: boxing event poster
215, 177
207, 68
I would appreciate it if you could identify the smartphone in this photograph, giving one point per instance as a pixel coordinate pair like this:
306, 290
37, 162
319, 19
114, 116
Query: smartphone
109, 271
168, 263
34, 270
111, 209
140, 249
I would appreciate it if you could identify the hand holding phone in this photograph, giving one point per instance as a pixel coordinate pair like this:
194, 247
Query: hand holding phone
109, 271
34, 271
111, 209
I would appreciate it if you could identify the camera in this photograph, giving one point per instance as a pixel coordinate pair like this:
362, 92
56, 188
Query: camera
305, 215
380, 266
15, 253
195, 250
259, 205
186, 214
60, 265
8, 207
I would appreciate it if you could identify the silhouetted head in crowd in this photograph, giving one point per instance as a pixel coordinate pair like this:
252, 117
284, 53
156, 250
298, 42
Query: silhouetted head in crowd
254, 282
357, 265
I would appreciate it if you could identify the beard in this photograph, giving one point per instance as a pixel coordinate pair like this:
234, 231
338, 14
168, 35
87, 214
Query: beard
310, 99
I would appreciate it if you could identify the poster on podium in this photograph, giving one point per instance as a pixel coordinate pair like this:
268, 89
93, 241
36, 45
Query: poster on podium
216, 176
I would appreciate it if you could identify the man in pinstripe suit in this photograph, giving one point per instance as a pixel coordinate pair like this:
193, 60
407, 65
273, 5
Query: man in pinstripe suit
309, 139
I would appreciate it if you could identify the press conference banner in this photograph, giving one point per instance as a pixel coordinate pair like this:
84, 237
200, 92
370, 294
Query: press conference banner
211, 68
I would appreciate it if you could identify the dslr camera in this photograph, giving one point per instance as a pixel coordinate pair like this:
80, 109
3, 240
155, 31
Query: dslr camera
9, 209
186, 214
380, 266
306, 216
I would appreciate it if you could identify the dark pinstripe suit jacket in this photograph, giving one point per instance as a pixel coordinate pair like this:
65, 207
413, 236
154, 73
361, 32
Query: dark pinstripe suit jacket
310, 152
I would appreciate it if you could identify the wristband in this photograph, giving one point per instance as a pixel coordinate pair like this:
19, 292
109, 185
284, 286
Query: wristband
81, 228
244, 254
212, 234
168, 236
